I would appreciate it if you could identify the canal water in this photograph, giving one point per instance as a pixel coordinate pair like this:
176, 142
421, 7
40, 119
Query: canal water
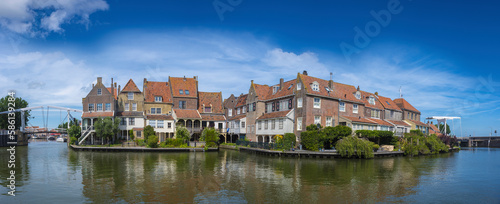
49, 172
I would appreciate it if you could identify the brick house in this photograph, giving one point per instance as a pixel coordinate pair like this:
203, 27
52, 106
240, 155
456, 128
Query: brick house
130, 109
236, 114
158, 108
394, 115
99, 102
255, 106
212, 112
185, 103
411, 115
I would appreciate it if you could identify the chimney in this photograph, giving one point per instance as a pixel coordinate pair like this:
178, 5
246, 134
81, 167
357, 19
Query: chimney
112, 88
144, 85
195, 78
118, 89
304, 72
184, 78
376, 93
92, 85
99, 80
281, 83
357, 89
432, 123
251, 81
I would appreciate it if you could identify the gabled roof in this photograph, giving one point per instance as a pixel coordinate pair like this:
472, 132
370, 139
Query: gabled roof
433, 128
278, 114
159, 117
187, 114
286, 90
388, 103
210, 98
242, 100
97, 114
261, 91
358, 119
417, 122
339, 91
183, 83
403, 104
230, 102
114, 94
380, 122
213, 118
130, 87
366, 98
238, 117
153, 88
399, 123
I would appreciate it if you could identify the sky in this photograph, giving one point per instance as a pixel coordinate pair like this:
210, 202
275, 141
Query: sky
441, 55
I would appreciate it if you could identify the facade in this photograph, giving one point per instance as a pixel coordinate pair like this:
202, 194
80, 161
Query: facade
237, 121
411, 115
185, 104
212, 112
130, 110
158, 108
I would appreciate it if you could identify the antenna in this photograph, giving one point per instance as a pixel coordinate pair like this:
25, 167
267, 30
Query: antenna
400, 93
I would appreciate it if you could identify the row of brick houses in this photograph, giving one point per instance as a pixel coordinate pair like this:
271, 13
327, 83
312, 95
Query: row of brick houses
265, 111
162, 105
290, 106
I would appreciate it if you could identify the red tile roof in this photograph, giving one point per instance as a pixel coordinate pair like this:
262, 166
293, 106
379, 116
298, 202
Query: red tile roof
210, 98
433, 129
213, 117
286, 90
242, 100
136, 129
153, 88
388, 103
238, 117
399, 123
114, 94
130, 87
417, 122
187, 114
358, 119
129, 113
159, 117
403, 104
182, 83
97, 114
261, 91
380, 122
278, 114
339, 91
366, 96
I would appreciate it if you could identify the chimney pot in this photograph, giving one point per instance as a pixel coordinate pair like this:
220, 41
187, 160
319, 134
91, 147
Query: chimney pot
118, 89
281, 83
304, 72
99, 80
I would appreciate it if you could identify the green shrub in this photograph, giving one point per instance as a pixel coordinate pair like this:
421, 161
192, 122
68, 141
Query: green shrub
152, 141
174, 142
289, 141
415, 143
310, 140
182, 133
376, 146
210, 136
140, 142
349, 146
72, 140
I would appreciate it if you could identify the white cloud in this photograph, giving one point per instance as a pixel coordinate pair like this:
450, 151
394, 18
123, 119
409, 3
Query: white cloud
22, 16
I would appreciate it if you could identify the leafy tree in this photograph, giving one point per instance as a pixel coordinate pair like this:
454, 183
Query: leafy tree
210, 136
105, 128
131, 134
18, 103
71, 123
288, 140
349, 146
310, 140
441, 128
182, 133
148, 131
99, 128
75, 131
152, 141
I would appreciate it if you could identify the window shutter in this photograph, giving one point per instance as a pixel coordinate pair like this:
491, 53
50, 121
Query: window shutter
274, 106
289, 103
254, 104
266, 108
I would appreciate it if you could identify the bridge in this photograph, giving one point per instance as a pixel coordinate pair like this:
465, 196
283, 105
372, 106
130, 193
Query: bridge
23, 132
481, 141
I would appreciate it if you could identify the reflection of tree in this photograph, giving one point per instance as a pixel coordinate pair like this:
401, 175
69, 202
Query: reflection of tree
21, 167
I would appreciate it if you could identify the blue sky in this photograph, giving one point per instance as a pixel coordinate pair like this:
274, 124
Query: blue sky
443, 54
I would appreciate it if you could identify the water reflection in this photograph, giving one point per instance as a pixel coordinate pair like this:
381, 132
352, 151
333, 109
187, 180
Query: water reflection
229, 176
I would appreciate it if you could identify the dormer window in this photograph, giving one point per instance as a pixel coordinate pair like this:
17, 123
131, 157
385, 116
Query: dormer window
358, 95
158, 99
208, 109
186, 91
275, 89
315, 86
181, 91
371, 100
99, 91
299, 86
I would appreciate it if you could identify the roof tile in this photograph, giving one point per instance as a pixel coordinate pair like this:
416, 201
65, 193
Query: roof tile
278, 114
183, 83
153, 88
187, 114
130, 87
403, 104
210, 98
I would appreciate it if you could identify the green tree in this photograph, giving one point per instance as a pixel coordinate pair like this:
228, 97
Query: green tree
152, 141
18, 103
131, 134
182, 133
71, 123
441, 128
148, 131
210, 136
105, 128
75, 131
99, 128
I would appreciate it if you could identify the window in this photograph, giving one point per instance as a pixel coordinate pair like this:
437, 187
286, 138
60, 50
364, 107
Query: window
127, 107
315, 86
182, 104
342, 106
169, 125
375, 113
158, 99
328, 121
238, 111
275, 89
354, 108
186, 91
242, 124
317, 119
299, 123
269, 107
260, 125
208, 109
266, 124
392, 114
387, 102
131, 121
299, 102
99, 107
91, 107
299, 86
159, 124
99, 91
371, 100
123, 121
243, 109
230, 112
181, 91
107, 107
153, 110
317, 103
273, 124
130, 96
152, 123
281, 124
408, 115
134, 106
358, 95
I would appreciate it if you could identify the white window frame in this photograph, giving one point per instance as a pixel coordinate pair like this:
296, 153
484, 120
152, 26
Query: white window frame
123, 121
158, 99
342, 106
160, 124
106, 108
242, 124
299, 102
134, 106
299, 123
328, 121
266, 124
237, 111
358, 95
127, 107
99, 107
91, 107
317, 119
318, 103
99, 91
243, 109
131, 121
260, 125
371, 100
273, 124
130, 96
315, 86
152, 123
355, 108
299, 86
230, 112
280, 123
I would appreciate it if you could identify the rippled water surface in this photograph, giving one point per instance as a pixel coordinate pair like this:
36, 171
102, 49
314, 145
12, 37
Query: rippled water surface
49, 172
